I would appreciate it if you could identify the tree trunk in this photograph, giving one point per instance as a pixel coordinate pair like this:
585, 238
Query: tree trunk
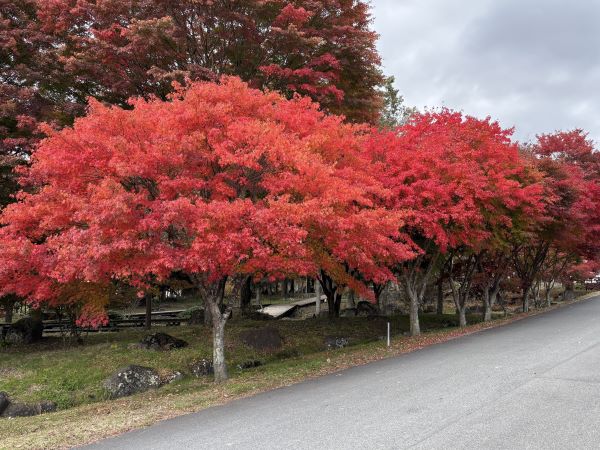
415, 327
218, 324
460, 304
487, 312
487, 304
148, 322
318, 295
9, 307
548, 294
220, 367
526, 292
207, 314
462, 316
338, 304
213, 302
440, 297
246, 295
330, 305
351, 302
378, 290
258, 301
569, 293
334, 301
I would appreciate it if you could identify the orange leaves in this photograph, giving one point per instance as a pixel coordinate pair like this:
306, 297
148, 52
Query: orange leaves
219, 181
224, 180
458, 178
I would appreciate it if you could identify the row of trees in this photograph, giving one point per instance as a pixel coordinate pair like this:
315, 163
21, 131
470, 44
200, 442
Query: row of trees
223, 181
55, 54
210, 180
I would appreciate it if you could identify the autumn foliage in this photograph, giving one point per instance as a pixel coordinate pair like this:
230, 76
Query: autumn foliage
221, 143
220, 181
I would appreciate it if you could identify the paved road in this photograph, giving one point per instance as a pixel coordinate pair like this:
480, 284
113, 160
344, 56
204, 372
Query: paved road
534, 384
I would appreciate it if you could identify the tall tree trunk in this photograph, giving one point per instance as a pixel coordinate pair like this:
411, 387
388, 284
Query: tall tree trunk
351, 301
487, 311
218, 323
415, 281
461, 294
462, 316
246, 295
148, 321
8, 318
569, 293
440, 297
330, 305
338, 304
317, 286
548, 293
214, 301
207, 315
415, 326
334, 300
526, 295
490, 295
9, 308
460, 302
378, 290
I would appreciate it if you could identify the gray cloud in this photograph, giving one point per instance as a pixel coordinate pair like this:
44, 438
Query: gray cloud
532, 64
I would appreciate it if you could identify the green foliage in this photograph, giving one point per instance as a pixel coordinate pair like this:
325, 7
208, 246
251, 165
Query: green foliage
394, 112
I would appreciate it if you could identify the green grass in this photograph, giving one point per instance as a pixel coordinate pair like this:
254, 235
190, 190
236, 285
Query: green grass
72, 375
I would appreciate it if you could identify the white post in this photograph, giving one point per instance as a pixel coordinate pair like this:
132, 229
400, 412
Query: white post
318, 294
388, 334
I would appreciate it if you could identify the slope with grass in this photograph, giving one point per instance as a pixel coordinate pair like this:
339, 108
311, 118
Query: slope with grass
72, 375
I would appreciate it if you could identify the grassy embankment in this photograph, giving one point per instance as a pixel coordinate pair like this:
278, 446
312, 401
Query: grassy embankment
72, 375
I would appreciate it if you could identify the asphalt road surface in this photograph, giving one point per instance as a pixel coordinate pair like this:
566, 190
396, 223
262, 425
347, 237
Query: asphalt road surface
534, 384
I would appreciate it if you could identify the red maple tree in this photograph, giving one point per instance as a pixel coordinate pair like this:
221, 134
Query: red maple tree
566, 234
220, 182
459, 180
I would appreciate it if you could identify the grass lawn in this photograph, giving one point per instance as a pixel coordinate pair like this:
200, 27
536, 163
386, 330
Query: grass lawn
72, 375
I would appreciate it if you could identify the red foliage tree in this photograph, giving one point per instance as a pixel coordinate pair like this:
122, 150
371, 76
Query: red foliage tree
568, 231
33, 87
56, 53
219, 183
459, 180
323, 49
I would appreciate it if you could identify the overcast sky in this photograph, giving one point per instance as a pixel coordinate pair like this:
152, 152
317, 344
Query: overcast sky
532, 64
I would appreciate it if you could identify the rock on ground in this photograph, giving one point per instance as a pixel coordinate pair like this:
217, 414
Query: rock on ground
348, 312
12, 409
25, 331
172, 377
336, 342
364, 308
196, 317
161, 341
4, 401
202, 368
29, 409
262, 339
131, 380
249, 364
